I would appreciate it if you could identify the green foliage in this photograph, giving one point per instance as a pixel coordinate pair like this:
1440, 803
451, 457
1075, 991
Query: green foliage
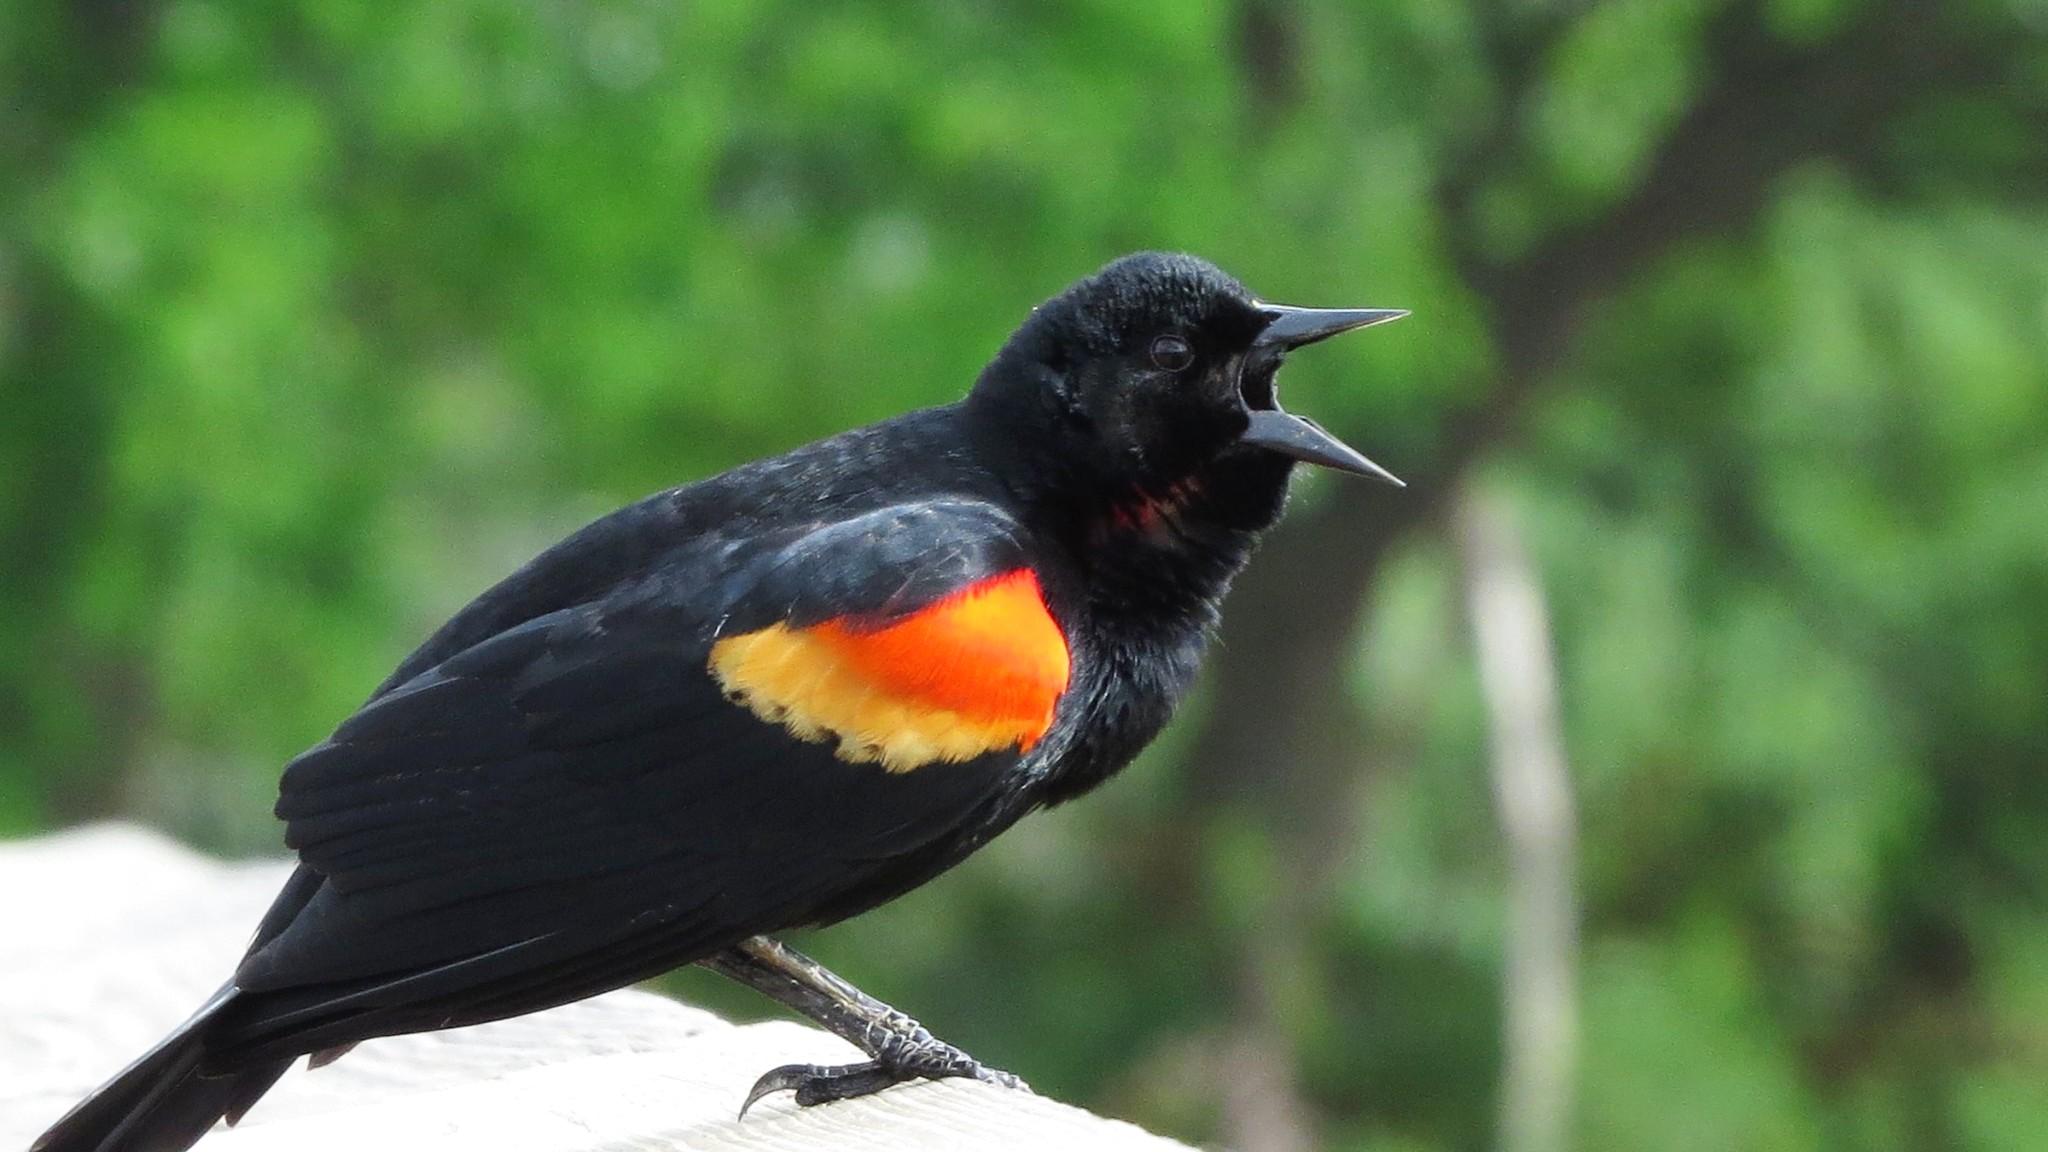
316, 318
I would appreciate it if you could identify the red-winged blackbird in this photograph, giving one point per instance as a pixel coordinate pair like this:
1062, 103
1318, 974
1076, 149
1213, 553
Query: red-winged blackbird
774, 698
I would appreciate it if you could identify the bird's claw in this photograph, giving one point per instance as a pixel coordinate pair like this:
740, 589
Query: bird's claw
1000, 1078
822, 1084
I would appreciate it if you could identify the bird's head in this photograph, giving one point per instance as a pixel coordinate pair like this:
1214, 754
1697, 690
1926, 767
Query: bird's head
1158, 370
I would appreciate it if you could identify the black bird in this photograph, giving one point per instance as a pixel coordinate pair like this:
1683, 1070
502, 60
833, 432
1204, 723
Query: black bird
774, 698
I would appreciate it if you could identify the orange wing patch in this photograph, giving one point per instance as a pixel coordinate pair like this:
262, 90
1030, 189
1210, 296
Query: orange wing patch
973, 673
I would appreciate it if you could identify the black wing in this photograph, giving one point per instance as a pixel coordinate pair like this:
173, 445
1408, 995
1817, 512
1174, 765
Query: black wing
572, 803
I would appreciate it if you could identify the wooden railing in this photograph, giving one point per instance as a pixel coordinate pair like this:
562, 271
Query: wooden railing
112, 934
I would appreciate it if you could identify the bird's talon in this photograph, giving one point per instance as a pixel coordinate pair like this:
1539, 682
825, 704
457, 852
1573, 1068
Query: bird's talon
822, 1084
788, 1078
1001, 1079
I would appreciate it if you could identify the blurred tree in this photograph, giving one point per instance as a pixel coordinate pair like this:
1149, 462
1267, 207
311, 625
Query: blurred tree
315, 318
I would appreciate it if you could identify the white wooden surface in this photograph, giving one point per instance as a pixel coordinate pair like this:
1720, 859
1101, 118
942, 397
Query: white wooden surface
110, 935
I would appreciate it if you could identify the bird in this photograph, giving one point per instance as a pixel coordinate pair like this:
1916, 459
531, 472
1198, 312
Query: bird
769, 700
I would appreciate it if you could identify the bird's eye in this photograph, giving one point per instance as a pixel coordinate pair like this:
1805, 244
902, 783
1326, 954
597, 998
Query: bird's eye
1172, 353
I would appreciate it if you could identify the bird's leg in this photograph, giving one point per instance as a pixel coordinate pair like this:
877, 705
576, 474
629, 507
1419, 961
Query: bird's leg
899, 1048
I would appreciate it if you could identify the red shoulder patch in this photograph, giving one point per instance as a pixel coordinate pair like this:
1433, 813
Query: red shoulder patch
978, 671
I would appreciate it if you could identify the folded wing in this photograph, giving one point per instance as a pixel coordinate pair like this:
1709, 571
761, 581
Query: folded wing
742, 739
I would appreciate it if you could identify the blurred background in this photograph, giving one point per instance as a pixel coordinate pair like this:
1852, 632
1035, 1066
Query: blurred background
1666, 768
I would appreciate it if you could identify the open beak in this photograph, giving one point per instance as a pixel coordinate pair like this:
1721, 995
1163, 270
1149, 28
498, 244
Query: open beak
1298, 436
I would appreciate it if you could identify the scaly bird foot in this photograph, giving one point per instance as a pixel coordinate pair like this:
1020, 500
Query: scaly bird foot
821, 1084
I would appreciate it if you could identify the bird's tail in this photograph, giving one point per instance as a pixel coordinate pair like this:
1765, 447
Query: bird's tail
163, 1102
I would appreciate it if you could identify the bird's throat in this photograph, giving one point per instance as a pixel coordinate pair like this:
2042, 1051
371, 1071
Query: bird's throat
1235, 494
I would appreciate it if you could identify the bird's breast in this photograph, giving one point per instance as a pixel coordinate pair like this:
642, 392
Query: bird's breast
976, 672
